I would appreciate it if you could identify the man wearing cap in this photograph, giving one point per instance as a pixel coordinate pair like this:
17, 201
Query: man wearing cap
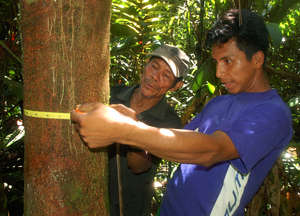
163, 72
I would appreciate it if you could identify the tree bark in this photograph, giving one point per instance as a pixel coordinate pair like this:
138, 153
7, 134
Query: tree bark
66, 62
269, 193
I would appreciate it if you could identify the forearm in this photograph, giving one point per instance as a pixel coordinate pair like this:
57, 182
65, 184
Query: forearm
177, 145
102, 126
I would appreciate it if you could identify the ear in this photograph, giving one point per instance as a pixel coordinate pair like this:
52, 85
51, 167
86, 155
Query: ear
147, 60
258, 59
177, 86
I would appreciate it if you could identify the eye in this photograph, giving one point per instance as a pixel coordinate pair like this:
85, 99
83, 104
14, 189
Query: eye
154, 65
227, 61
166, 76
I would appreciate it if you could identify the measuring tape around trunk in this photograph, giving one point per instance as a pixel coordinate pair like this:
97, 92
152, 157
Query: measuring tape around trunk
58, 115
46, 115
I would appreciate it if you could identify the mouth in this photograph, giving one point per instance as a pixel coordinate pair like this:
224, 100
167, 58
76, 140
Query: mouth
149, 85
227, 85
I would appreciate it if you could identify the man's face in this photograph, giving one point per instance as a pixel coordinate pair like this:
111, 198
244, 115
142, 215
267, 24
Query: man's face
234, 70
157, 78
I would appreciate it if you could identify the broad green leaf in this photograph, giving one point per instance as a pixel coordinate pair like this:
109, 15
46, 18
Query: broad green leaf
205, 73
198, 80
118, 29
211, 87
275, 34
209, 68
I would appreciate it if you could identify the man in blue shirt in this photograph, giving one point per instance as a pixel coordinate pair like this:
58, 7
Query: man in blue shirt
228, 149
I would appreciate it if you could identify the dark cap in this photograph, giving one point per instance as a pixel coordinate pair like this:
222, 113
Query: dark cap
175, 58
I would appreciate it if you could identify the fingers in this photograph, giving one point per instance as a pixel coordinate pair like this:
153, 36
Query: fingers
87, 107
81, 109
119, 107
97, 123
124, 110
88, 119
76, 116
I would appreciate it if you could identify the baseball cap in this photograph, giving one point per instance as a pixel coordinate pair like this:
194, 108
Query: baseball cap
175, 58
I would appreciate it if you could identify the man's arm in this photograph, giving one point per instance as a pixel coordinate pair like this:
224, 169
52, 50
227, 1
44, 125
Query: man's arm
182, 146
104, 125
138, 161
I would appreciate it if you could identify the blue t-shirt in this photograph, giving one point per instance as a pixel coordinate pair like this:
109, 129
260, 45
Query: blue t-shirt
260, 126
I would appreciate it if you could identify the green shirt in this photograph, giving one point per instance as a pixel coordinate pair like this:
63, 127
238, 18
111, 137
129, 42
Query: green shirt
137, 188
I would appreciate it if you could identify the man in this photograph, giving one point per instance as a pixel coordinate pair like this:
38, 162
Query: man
163, 72
229, 148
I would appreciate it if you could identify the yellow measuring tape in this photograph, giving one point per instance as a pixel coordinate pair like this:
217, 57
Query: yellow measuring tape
46, 115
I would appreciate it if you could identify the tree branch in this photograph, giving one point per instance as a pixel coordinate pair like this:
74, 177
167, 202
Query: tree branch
10, 52
287, 75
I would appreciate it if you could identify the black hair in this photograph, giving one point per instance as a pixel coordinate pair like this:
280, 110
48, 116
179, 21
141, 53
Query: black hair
250, 33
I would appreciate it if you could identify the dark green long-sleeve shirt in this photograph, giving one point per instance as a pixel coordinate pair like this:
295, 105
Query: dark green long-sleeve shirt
137, 188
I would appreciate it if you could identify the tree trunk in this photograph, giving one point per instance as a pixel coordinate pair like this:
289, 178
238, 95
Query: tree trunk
244, 4
66, 62
269, 193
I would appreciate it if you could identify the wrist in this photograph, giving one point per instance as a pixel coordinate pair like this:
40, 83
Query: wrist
131, 132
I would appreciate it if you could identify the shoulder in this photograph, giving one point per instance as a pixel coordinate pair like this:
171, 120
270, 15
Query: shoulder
250, 103
173, 117
121, 94
218, 104
163, 115
267, 114
219, 100
268, 104
114, 90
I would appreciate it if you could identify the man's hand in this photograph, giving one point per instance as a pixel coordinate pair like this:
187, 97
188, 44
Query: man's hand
138, 161
85, 108
124, 110
99, 125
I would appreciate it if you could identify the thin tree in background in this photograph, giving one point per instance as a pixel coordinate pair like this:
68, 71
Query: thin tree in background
66, 62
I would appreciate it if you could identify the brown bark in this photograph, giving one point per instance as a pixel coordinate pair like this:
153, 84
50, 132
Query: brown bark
244, 4
269, 193
66, 62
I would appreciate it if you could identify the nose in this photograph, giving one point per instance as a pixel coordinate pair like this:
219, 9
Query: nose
219, 71
155, 75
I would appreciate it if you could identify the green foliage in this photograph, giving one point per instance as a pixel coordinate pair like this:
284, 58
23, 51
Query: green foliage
275, 34
138, 27
11, 142
207, 74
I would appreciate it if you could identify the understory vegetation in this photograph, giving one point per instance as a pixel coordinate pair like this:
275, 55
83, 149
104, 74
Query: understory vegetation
137, 27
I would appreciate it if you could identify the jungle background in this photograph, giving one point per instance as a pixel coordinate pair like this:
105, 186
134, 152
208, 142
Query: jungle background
138, 27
